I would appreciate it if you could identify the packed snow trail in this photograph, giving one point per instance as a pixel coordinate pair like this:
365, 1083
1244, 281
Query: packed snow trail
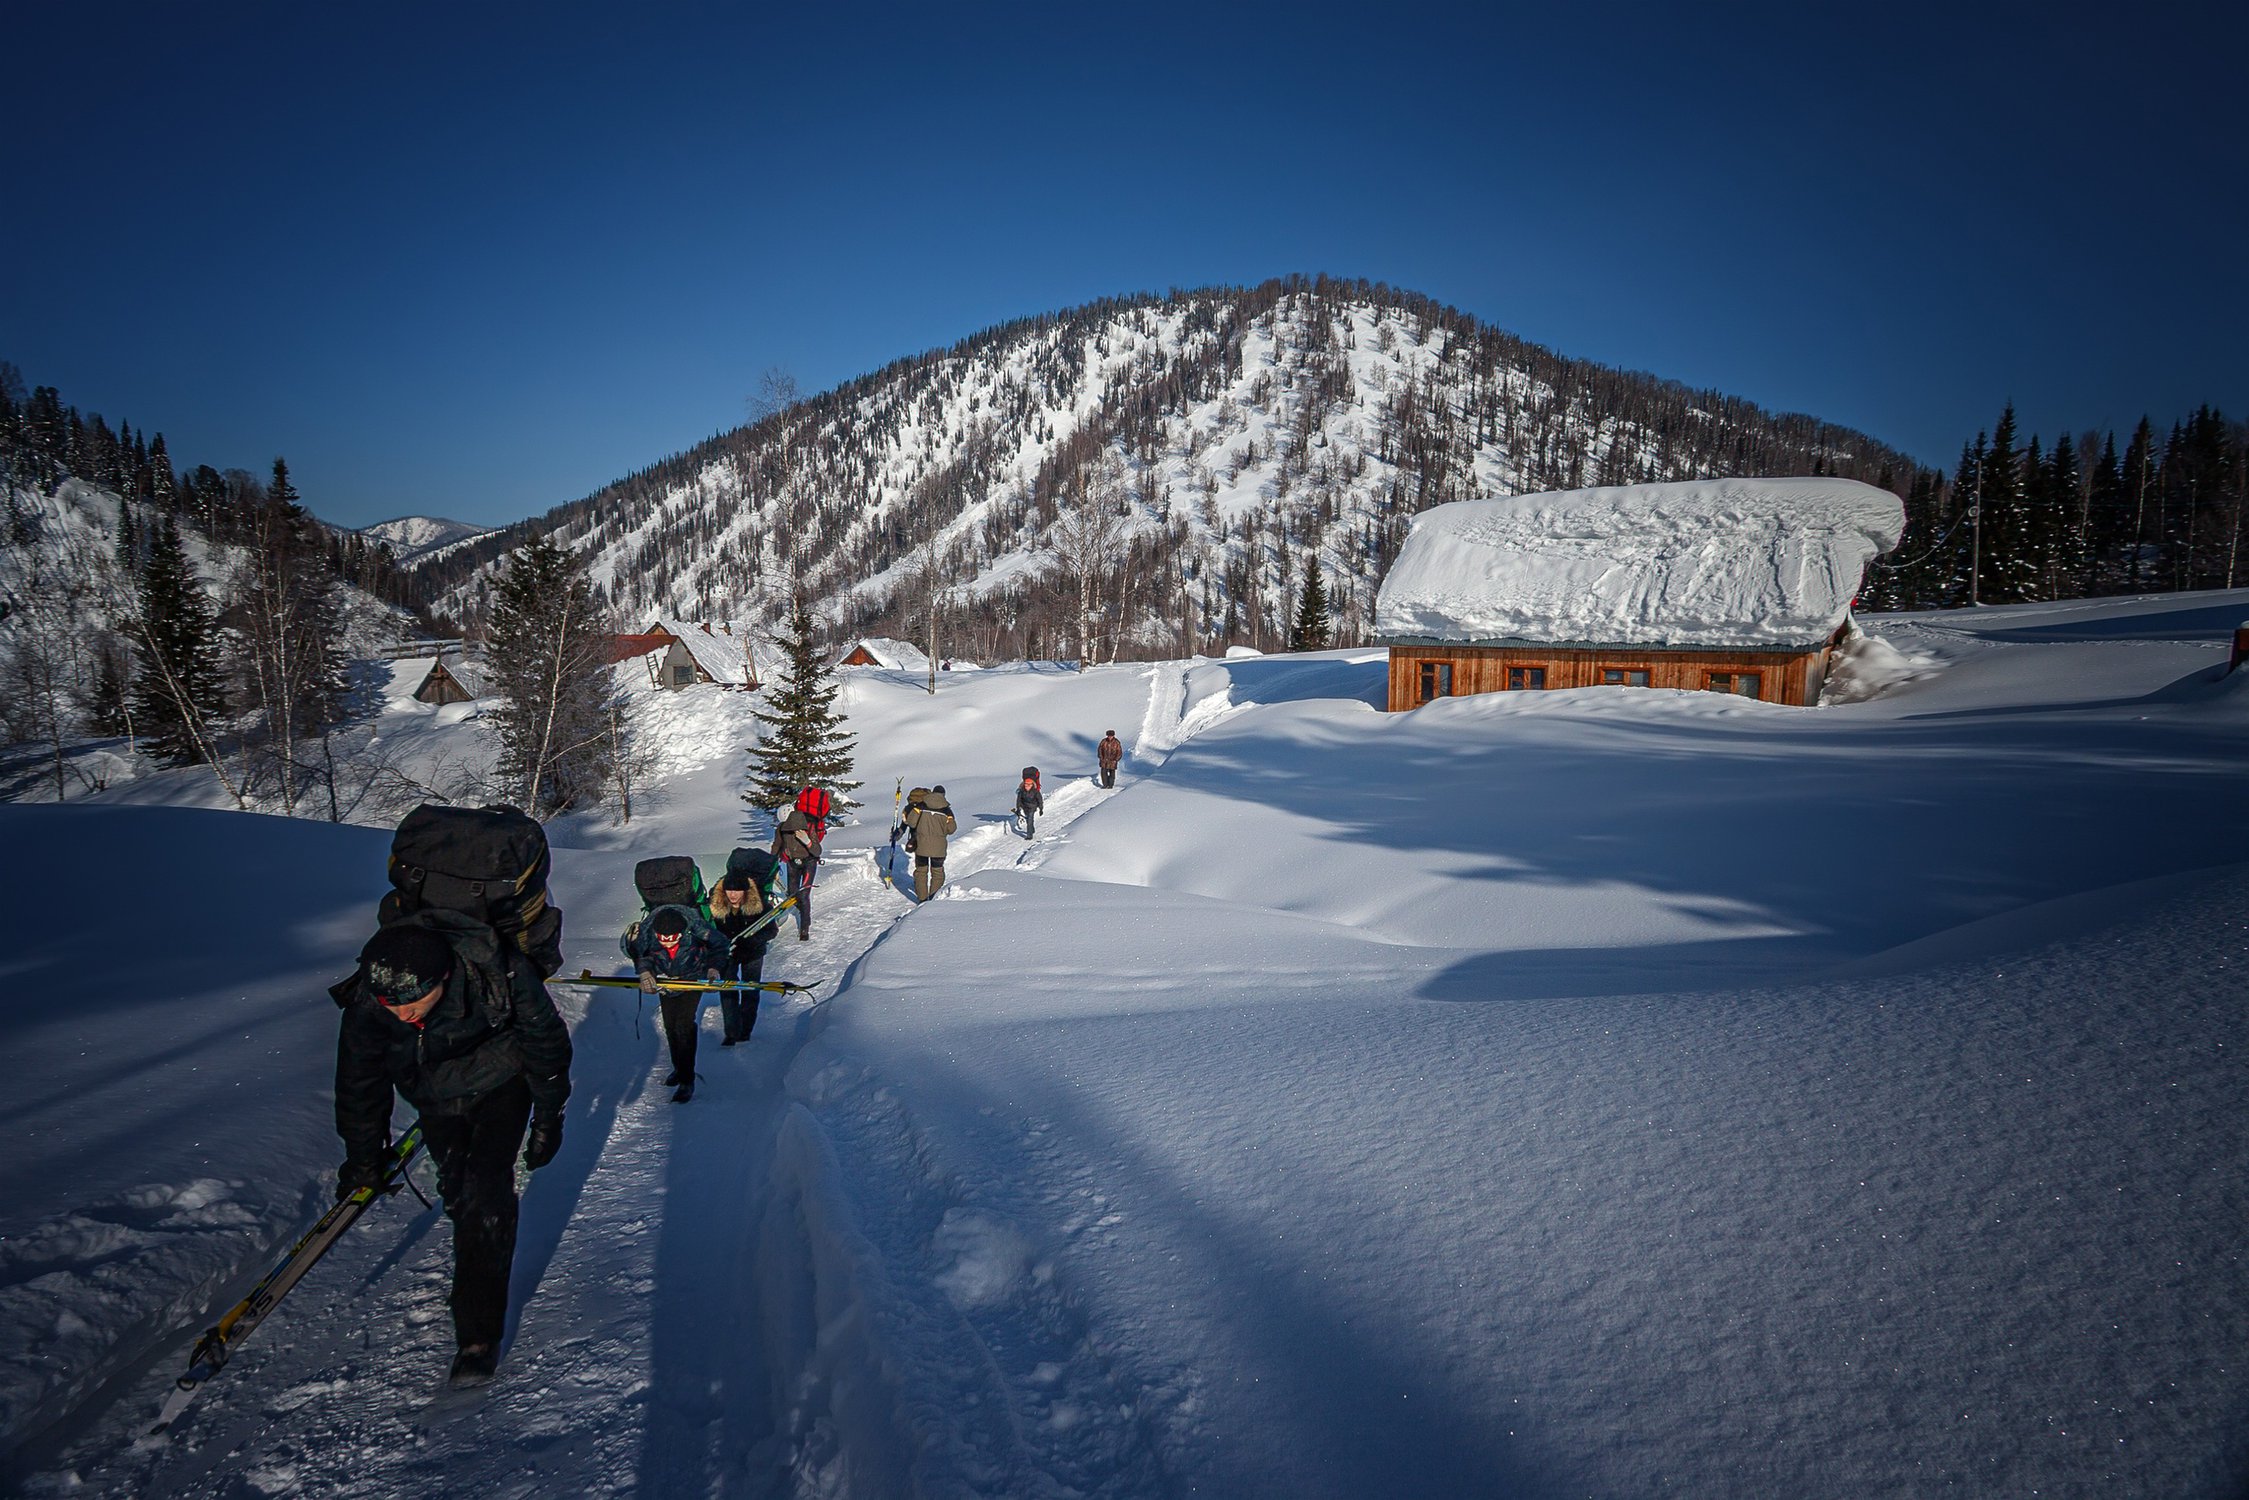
649, 1298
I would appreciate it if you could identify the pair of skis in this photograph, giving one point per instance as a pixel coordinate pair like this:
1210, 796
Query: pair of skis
612, 981
217, 1346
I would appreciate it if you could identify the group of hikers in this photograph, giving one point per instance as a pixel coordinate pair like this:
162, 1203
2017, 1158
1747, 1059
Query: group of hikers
448, 1006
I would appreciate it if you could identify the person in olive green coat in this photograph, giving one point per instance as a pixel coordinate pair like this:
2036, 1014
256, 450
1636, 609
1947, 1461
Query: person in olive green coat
932, 822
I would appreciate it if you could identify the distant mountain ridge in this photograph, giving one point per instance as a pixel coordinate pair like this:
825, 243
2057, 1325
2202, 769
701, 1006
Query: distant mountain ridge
1242, 431
414, 536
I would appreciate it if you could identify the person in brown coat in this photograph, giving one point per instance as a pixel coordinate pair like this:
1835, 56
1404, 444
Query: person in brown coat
1112, 755
932, 822
797, 844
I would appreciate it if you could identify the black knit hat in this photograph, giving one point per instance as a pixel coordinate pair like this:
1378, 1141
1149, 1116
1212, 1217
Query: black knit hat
735, 882
669, 920
402, 964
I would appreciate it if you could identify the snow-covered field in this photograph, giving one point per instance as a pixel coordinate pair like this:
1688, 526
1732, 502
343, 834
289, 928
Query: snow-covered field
1608, 1092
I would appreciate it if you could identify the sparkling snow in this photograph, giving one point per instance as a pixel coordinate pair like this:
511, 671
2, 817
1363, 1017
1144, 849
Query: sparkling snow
1756, 562
1605, 1092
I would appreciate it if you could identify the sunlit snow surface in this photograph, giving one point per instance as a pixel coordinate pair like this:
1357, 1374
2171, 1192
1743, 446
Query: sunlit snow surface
1612, 1092
1701, 562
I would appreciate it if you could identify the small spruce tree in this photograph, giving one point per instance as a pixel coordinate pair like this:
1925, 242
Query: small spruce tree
176, 685
803, 742
1311, 631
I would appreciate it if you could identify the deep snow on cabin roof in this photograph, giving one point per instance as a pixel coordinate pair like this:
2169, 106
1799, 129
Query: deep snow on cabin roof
1736, 562
897, 655
722, 657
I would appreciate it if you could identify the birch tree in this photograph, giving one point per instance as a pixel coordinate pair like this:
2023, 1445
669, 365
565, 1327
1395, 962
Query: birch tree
1087, 538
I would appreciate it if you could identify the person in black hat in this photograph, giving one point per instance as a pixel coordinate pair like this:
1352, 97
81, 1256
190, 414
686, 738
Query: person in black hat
676, 943
444, 1013
739, 906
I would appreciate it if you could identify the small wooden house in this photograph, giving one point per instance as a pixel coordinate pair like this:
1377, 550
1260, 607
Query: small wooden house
458, 683
692, 653
1739, 586
883, 651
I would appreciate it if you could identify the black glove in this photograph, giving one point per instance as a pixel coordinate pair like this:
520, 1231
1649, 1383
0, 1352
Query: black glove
545, 1139
359, 1172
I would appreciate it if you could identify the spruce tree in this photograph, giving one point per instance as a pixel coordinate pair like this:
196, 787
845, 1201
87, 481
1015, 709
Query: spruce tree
803, 742
176, 687
1311, 631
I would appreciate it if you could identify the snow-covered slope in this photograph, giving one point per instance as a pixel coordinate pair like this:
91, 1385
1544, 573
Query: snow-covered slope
1251, 430
1609, 1092
411, 536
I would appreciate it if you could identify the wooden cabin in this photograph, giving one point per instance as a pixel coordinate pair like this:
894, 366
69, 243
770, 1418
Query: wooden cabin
883, 651
1422, 670
1739, 586
458, 683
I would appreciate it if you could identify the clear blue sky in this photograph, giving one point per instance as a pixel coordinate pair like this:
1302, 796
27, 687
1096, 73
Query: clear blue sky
479, 259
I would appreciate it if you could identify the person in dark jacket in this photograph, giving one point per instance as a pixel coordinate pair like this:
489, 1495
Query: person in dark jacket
796, 843
674, 942
444, 1013
1029, 801
1111, 755
739, 905
933, 824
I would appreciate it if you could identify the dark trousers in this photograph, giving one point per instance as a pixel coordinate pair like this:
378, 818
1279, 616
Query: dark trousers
680, 1008
738, 1008
1108, 775
801, 872
475, 1155
1030, 818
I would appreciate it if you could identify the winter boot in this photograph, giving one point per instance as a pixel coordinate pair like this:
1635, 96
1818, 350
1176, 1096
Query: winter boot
474, 1365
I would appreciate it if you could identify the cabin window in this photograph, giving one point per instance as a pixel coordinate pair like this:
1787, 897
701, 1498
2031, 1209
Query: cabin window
1525, 679
683, 676
1744, 684
1436, 680
1624, 676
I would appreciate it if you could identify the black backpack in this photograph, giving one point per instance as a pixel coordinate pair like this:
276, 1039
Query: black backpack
671, 880
755, 865
489, 863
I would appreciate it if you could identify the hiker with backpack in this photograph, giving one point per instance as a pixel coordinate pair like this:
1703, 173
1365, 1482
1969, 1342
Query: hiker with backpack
929, 823
1029, 800
1110, 753
738, 913
449, 1009
674, 942
797, 844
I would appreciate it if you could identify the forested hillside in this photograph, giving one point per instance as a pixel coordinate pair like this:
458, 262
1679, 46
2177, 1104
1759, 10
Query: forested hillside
1169, 466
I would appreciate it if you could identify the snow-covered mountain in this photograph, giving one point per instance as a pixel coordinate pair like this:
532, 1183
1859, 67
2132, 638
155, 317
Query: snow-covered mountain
413, 536
1240, 432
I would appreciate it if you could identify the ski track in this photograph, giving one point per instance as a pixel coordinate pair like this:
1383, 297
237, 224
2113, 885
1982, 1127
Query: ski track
656, 1224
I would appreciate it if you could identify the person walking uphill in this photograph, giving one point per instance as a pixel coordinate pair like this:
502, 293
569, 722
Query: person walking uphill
797, 844
739, 906
675, 943
1111, 754
932, 823
1029, 801
459, 1022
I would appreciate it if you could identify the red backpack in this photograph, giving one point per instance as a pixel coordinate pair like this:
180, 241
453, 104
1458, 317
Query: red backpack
814, 803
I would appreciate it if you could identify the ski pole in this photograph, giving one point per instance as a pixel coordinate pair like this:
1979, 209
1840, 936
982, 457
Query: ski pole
217, 1346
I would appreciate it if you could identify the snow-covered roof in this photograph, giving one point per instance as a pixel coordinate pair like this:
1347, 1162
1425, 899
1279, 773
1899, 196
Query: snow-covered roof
722, 658
1737, 562
468, 673
902, 656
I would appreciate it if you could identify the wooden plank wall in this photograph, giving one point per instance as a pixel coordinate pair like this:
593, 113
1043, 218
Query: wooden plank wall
1787, 677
